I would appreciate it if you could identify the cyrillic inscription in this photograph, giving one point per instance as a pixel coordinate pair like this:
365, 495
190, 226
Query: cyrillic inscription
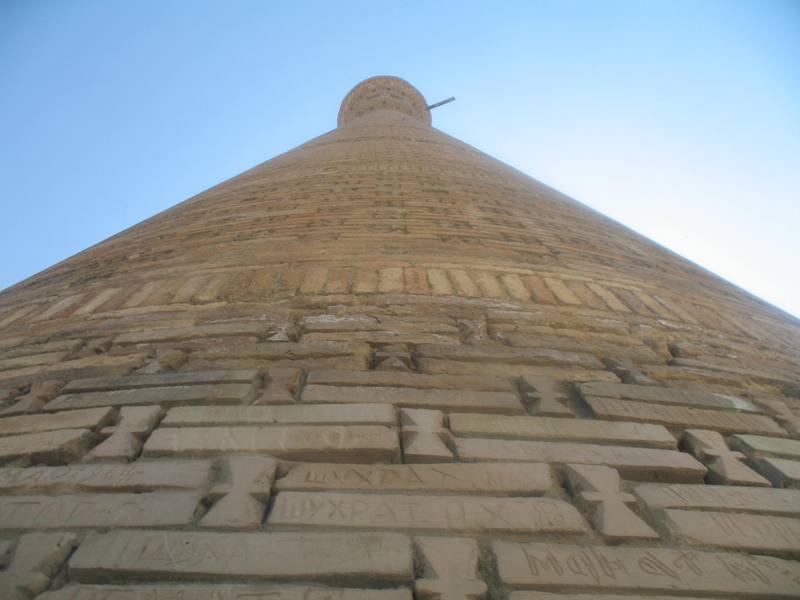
97, 510
182, 555
526, 479
426, 513
141, 476
569, 568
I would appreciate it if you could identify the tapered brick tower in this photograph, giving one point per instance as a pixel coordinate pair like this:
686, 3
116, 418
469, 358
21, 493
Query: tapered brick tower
385, 365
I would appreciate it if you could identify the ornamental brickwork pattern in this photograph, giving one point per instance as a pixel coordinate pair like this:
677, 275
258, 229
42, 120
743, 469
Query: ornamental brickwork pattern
386, 366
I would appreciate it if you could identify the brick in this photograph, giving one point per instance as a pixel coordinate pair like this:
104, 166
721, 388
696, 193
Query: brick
562, 292
356, 443
242, 494
424, 437
218, 393
464, 286
632, 463
221, 591
314, 280
549, 397
157, 509
416, 281
412, 380
37, 558
90, 418
731, 531
540, 292
598, 490
523, 356
681, 416
88, 366
760, 446
491, 478
489, 285
571, 568
249, 329
281, 386
781, 472
365, 282
126, 437
426, 513
102, 384
664, 395
548, 428
310, 414
440, 284
503, 402
141, 476
452, 569
182, 555
516, 289
725, 466
720, 498
609, 298
390, 280
53, 447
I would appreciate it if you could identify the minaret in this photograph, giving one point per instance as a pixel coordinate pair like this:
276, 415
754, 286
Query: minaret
386, 365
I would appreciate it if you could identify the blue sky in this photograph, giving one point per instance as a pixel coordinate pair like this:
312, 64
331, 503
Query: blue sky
679, 119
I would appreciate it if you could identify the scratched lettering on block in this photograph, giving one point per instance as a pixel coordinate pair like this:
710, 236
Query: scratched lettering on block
223, 591
98, 510
368, 443
720, 497
733, 531
519, 479
141, 476
136, 555
569, 568
426, 513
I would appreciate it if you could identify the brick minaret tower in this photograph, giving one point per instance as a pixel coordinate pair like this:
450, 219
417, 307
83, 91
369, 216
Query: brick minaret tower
384, 365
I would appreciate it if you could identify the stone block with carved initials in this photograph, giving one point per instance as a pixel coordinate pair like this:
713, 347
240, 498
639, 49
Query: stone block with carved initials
426, 513
137, 555
598, 489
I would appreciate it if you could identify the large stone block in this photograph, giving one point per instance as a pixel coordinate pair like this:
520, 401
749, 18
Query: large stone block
133, 555
367, 443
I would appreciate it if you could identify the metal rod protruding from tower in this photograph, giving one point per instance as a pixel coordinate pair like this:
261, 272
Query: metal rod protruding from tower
450, 99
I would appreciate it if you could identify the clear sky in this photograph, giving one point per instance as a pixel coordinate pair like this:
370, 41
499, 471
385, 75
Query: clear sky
680, 119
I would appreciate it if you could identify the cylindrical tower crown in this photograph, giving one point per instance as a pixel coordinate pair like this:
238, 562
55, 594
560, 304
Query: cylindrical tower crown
383, 93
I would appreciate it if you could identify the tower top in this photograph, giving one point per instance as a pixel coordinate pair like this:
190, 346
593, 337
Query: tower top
383, 93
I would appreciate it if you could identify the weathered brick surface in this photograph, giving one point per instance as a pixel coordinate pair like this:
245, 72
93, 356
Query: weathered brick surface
254, 393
